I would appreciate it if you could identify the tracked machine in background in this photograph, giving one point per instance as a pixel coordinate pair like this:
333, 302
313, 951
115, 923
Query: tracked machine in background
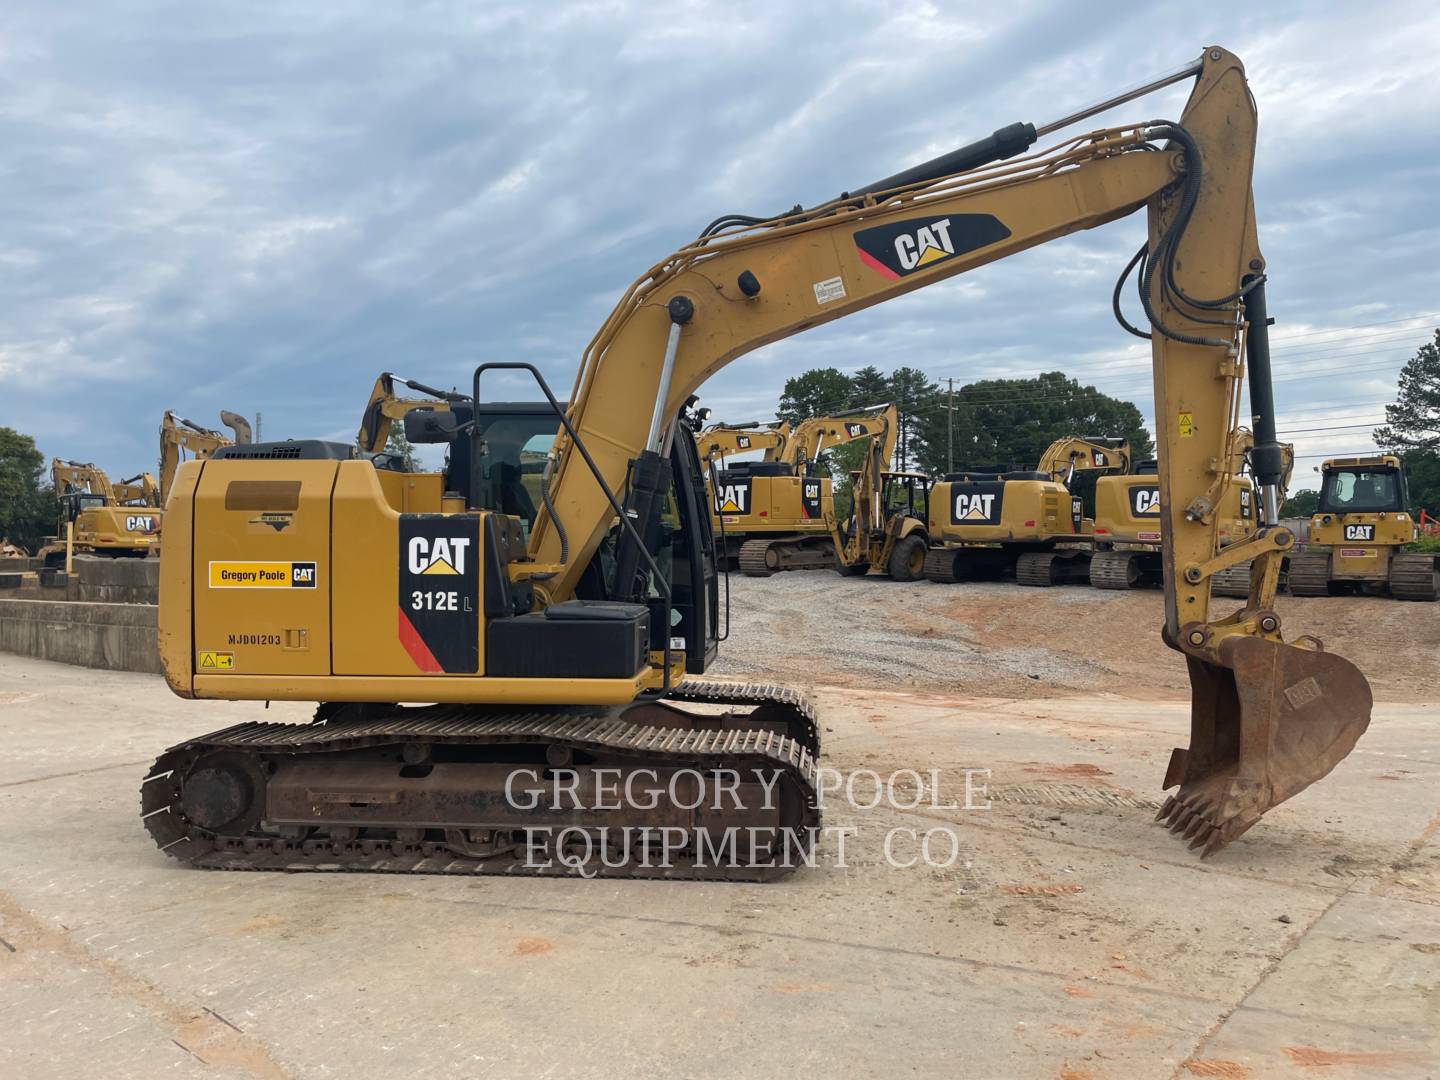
1364, 520
993, 523
100, 524
775, 514
1127, 523
452, 653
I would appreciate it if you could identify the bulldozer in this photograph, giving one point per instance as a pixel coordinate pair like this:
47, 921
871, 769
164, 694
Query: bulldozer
1364, 520
774, 514
484, 690
179, 437
995, 522
100, 524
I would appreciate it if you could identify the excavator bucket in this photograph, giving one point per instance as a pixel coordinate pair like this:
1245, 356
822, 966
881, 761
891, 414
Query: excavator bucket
1265, 723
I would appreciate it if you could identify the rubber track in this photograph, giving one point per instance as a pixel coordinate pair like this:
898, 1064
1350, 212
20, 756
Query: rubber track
752, 558
603, 733
940, 565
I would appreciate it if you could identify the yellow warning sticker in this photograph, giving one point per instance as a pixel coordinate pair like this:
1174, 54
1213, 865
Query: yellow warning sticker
262, 575
1187, 425
217, 661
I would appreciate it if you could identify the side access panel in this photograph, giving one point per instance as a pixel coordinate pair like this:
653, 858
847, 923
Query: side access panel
261, 568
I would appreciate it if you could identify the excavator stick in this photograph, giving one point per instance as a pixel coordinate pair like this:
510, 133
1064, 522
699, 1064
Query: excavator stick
1265, 723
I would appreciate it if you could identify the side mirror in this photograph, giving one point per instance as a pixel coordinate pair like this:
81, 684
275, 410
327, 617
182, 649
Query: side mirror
431, 426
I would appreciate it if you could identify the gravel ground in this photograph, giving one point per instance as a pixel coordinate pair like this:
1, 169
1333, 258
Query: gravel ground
1000, 640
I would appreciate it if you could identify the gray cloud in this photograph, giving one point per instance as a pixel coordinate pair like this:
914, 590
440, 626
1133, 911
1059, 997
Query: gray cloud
260, 206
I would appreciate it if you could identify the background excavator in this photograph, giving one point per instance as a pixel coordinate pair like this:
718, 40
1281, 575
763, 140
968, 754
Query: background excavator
1364, 520
100, 523
565, 654
719, 441
1127, 523
992, 522
773, 514
179, 437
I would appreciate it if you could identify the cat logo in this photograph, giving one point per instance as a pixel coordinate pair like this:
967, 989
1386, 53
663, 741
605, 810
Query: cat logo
139, 523
742, 442
733, 497
1359, 532
443, 555
974, 506
904, 247
1145, 501
855, 430
1245, 503
810, 499
1100, 459
1077, 514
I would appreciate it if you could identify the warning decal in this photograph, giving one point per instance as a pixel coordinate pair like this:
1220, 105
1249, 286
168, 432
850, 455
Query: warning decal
216, 661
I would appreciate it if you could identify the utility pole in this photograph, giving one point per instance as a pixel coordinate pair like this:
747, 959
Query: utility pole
950, 431
258, 427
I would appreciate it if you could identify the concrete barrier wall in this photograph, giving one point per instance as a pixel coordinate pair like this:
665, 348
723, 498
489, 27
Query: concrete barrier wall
116, 637
97, 580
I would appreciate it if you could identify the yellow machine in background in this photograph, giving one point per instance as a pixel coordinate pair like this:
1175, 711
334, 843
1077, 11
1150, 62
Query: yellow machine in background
1127, 522
990, 523
565, 646
100, 524
138, 490
1364, 519
719, 441
179, 437
771, 515
886, 530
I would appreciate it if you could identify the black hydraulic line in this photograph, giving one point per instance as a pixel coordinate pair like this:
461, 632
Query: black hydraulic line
1135, 260
1003, 143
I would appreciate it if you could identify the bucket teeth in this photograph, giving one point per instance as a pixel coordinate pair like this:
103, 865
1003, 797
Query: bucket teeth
1164, 811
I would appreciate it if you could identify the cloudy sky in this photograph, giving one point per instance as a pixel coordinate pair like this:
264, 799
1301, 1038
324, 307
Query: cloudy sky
259, 206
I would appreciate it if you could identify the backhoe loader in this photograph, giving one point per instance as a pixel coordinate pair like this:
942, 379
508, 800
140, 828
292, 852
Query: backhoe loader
994, 522
1364, 520
179, 436
497, 704
886, 529
100, 523
772, 515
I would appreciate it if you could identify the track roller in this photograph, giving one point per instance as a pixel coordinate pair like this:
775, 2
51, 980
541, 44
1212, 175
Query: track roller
1115, 570
1414, 576
1310, 574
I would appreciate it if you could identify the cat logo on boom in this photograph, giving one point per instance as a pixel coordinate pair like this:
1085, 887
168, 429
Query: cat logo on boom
855, 430
742, 442
438, 555
906, 247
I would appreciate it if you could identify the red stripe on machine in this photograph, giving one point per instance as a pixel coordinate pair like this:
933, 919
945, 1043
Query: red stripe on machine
415, 645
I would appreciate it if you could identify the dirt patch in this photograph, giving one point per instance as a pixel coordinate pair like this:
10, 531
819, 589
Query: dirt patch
1001, 640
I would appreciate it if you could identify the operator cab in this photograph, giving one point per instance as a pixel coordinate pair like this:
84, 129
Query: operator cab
73, 503
1372, 488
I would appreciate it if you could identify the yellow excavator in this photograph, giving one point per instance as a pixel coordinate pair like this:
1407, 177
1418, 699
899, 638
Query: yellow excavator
1127, 523
719, 441
100, 523
180, 437
994, 522
774, 514
1363, 518
497, 703
138, 490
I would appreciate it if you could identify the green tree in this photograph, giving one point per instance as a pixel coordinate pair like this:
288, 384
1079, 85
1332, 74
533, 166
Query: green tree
27, 503
1012, 421
1422, 474
397, 443
816, 392
1413, 422
869, 386
1300, 504
915, 396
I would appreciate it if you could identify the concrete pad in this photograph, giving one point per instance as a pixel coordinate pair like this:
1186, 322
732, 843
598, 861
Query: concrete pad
1068, 936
